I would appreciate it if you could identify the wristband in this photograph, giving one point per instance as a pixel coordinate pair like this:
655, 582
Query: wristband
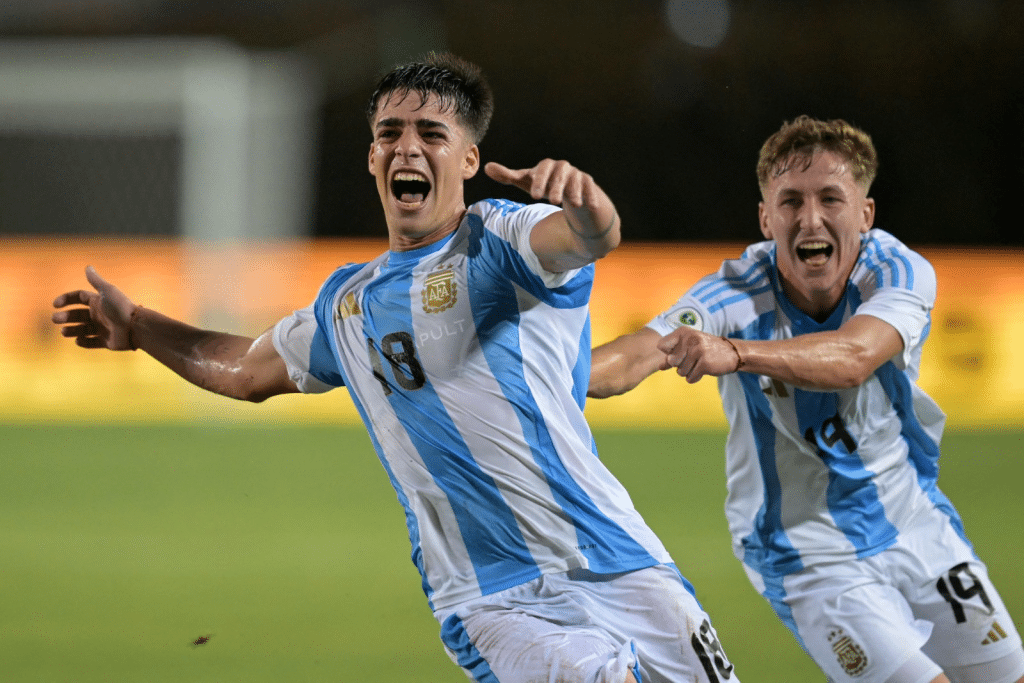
132, 346
739, 359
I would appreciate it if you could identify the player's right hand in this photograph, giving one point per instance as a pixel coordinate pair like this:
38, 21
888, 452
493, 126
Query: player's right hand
557, 182
695, 354
105, 320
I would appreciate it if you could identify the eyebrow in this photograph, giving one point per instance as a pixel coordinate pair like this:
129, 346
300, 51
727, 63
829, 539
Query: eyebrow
826, 188
395, 121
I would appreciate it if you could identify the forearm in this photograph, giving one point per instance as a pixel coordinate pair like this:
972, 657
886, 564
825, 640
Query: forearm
209, 360
620, 365
606, 378
823, 360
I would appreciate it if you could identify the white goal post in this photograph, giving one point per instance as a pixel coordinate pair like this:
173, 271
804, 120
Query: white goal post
245, 122
186, 138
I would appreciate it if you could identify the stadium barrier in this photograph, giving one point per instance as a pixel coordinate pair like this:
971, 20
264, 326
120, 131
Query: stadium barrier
970, 362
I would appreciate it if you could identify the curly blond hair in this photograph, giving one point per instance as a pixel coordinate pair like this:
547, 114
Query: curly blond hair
796, 142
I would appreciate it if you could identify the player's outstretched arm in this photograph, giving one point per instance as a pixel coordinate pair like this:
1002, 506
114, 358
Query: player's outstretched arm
230, 365
825, 361
585, 230
621, 364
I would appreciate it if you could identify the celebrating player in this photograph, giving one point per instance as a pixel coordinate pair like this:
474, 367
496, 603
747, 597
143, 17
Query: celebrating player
832, 453
464, 347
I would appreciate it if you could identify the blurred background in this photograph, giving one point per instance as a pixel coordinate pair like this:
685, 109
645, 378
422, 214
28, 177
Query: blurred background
209, 158
196, 151
666, 102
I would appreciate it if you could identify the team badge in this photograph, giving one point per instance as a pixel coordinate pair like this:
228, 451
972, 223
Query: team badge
690, 318
850, 655
349, 306
439, 291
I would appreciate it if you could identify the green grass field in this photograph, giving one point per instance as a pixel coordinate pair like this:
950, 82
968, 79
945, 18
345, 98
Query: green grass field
120, 546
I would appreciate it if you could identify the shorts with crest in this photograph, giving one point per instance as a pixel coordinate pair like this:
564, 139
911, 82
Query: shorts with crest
581, 627
864, 620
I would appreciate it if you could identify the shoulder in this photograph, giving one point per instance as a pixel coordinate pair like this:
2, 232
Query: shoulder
738, 279
488, 208
739, 292
886, 262
500, 236
502, 215
347, 272
897, 285
339, 281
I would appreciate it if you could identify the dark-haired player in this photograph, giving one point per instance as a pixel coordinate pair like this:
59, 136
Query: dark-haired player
466, 349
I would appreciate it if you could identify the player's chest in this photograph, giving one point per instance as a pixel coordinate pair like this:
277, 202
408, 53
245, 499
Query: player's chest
420, 317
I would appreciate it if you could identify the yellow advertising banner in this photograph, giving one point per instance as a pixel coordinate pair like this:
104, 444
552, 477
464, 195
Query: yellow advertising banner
969, 363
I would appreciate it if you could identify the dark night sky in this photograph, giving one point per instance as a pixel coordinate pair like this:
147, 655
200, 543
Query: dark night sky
670, 130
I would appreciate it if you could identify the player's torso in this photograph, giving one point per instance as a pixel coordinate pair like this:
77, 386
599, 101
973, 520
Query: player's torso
402, 319
820, 475
463, 370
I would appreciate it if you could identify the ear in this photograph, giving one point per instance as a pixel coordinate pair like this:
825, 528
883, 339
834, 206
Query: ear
869, 214
762, 219
369, 159
471, 162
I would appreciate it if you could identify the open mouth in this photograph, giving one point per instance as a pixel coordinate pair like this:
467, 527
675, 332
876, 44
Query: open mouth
814, 252
410, 188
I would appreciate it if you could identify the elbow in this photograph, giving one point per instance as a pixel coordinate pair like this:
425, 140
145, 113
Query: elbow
841, 381
607, 389
601, 381
613, 241
245, 389
241, 393
606, 246
254, 394
851, 374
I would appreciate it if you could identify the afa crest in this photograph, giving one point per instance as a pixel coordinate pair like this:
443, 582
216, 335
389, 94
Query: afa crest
850, 655
439, 291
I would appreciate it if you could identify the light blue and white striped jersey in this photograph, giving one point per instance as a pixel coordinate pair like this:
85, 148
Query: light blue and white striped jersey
469, 365
819, 476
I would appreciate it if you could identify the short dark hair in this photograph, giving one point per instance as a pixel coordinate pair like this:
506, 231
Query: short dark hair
458, 85
797, 141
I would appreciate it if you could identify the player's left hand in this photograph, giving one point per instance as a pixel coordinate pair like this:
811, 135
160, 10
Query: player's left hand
557, 182
695, 354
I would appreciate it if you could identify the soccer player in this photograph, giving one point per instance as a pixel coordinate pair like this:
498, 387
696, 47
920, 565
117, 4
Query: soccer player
832, 454
466, 350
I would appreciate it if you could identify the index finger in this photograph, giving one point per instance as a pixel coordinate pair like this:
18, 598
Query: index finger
80, 296
507, 176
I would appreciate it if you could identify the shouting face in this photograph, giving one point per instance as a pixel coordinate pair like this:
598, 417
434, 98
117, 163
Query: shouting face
420, 156
816, 214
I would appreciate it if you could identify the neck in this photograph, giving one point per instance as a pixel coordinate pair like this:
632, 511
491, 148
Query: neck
817, 305
400, 239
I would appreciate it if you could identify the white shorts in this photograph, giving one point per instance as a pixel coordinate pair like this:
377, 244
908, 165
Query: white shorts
587, 628
927, 597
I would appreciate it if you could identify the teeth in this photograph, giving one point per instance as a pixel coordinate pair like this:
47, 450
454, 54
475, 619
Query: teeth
814, 245
410, 187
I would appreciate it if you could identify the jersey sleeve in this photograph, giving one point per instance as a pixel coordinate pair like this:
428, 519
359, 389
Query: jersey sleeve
722, 302
514, 223
898, 286
307, 353
687, 310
